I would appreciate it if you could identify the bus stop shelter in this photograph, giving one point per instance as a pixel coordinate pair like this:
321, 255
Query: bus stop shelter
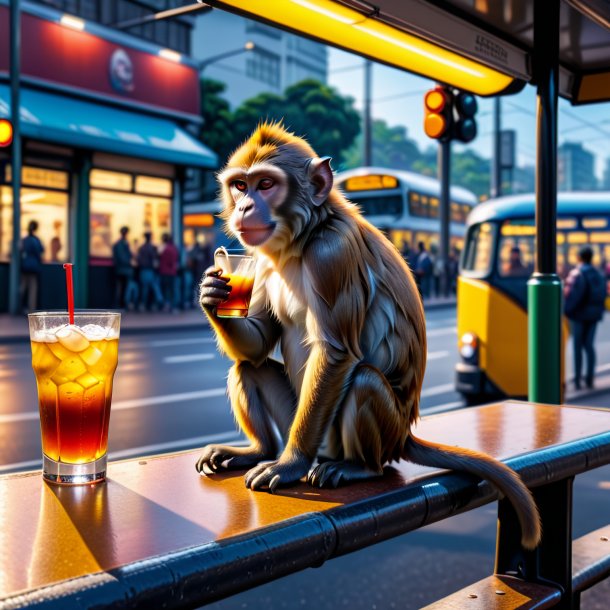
561, 47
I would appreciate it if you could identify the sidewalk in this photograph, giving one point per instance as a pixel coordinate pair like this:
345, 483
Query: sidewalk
14, 329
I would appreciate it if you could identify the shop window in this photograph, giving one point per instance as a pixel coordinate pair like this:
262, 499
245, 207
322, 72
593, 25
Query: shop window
161, 187
112, 210
49, 209
115, 181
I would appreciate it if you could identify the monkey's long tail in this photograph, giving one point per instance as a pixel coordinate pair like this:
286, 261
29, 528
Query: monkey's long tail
504, 478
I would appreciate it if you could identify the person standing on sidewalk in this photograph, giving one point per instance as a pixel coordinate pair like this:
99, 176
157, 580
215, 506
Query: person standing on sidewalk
148, 262
423, 270
168, 270
123, 271
585, 296
31, 266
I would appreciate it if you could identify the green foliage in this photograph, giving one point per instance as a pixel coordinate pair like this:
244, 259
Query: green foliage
471, 171
216, 116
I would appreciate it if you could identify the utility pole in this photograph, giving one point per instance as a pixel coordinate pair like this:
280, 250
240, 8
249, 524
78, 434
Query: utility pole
444, 176
496, 170
367, 156
15, 51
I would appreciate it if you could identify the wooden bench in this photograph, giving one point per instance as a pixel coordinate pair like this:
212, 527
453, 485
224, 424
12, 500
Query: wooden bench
157, 534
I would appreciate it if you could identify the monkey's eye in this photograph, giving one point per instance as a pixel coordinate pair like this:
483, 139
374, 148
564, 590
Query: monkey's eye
240, 185
265, 183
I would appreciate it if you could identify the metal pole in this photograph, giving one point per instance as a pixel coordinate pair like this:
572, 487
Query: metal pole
366, 127
444, 176
544, 287
496, 174
15, 51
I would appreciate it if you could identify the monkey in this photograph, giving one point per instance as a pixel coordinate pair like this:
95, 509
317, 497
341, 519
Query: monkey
336, 296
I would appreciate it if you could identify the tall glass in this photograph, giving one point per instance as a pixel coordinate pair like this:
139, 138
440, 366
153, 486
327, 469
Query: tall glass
240, 268
74, 366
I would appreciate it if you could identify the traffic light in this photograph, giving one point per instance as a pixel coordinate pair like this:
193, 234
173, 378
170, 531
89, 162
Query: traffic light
465, 127
449, 114
6, 133
438, 113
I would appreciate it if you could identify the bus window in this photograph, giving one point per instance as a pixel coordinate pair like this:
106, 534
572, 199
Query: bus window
479, 249
378, 205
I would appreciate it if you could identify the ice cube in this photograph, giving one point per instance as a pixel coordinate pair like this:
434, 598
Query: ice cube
71, 368
59, 350
72, 338
91, 355
70, 396
44, 362
87, 380
94, 332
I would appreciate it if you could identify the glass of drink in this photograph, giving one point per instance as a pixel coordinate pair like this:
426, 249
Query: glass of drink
239, 268
74, 366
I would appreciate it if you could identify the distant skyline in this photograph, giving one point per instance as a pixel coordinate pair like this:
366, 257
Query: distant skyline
397, 98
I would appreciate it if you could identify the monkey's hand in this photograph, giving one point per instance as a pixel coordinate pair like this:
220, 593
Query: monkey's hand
214, 288
286, 470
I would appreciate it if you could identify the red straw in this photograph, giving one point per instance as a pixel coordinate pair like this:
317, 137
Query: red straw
70, 288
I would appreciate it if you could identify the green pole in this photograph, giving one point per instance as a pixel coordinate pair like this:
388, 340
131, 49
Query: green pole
81, 234
544, 299
544, 288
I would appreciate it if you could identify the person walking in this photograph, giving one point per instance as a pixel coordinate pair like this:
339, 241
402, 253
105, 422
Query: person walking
148, 262
584, 303
423, 270
168, 271
123, 271
31, 266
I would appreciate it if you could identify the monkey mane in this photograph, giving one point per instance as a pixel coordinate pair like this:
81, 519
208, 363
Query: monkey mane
269, 139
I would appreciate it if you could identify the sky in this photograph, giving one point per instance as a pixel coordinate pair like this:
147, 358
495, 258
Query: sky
397, 98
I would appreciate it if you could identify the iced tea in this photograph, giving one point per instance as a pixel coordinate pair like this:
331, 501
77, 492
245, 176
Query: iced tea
74, 367
236, 306
240, 269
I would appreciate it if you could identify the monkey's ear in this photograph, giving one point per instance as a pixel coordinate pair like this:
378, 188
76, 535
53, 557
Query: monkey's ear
321, 177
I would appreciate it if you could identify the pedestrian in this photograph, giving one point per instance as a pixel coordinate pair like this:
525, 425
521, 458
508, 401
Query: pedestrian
200, 257
453, 265
584, 303
168, 271
148, 263
123, 271
515, 266
423, 270
31, 266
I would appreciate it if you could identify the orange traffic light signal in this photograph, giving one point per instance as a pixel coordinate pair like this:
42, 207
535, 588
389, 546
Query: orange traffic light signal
438, 113
6, 133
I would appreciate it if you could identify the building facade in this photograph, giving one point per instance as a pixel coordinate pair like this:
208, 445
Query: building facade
575, 168
105, 120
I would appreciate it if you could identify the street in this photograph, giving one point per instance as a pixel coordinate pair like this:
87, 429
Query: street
169, 395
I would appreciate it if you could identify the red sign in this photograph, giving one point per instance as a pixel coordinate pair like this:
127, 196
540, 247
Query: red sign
62, 56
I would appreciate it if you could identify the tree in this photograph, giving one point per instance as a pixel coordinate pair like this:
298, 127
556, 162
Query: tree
217, 119
471, 171
310, 109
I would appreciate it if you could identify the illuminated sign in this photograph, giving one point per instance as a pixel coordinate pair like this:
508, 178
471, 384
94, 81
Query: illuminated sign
199, 220
369, 183
6, 133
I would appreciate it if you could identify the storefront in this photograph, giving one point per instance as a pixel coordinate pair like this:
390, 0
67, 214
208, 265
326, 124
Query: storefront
105, 121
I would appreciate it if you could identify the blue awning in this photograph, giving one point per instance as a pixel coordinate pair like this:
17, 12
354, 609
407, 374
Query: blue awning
86, 124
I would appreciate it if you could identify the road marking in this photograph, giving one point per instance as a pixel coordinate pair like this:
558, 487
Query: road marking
437, 355
188, 358
136, 403
221, 437
438, 332
439, 389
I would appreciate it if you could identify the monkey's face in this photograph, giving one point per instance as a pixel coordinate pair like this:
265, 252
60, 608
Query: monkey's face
252, 199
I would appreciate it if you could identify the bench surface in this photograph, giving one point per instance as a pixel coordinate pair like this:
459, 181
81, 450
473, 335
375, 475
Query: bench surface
157, 518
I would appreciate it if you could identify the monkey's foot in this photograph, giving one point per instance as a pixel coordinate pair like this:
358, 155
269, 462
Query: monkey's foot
281, 472
332, 474
217, 457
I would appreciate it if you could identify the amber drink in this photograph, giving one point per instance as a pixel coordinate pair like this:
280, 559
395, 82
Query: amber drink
239, 268
74, 366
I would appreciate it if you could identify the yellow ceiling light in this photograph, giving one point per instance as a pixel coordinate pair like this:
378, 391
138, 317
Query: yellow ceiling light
352, 30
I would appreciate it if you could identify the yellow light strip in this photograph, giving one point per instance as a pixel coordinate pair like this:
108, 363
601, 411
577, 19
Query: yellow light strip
171, 55
72, 22
349, 29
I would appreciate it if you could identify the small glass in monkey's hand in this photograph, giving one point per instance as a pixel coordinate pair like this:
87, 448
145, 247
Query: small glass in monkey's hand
239, 268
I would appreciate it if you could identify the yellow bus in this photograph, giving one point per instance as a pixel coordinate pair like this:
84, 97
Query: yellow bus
497, 260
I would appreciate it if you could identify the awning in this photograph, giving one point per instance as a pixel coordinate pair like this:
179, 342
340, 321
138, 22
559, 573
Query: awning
86, 124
